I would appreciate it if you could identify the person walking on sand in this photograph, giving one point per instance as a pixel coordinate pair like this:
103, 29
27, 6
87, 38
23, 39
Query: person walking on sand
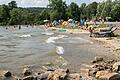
91, 31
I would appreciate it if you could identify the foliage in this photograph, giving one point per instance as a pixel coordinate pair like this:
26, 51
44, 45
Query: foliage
83, 10
115, 12
91, 10
12, 5
16, 16
106, 9
109, 8
4, 14
100, 9
73, 11
57, 9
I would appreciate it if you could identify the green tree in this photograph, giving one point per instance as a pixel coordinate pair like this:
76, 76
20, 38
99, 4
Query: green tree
12, 5
54, 15
73, 10
83, 10
100, 9
16, 16
91, 10
4, 14
31, 18
58, 7
107, 8
24, 17
44, 15
115, 12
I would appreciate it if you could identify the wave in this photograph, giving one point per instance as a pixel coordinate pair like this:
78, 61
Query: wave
52, 39
27, 35
47, 33
59, 50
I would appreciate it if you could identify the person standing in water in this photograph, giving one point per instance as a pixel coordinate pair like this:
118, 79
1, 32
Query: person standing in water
19, 27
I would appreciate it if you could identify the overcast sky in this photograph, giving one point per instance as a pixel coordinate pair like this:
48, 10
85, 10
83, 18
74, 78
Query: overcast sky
43, 3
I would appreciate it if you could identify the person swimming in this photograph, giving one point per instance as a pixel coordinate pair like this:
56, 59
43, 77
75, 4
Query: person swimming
19, 27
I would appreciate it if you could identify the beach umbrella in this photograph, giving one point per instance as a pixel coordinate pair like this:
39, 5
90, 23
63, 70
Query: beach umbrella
55, 23
70, 20
46, 20
65, 23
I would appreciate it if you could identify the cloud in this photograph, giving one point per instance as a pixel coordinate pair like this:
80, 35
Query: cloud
27, 3
33, 3
43, 3
4, 1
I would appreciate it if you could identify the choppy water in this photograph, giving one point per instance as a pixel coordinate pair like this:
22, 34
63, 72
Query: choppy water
28, 46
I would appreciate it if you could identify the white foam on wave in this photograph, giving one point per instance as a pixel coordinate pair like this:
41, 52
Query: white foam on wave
47, 33
59, 50
52, 39
27, 35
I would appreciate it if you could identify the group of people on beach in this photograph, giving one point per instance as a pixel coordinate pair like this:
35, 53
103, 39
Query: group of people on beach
71, 24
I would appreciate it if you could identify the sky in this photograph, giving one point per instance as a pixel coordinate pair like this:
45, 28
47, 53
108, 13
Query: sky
43, 3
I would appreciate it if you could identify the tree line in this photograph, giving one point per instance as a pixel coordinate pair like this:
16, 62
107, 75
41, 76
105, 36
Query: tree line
11, 14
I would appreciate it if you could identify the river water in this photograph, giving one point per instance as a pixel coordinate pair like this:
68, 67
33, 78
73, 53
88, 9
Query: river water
28, 46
